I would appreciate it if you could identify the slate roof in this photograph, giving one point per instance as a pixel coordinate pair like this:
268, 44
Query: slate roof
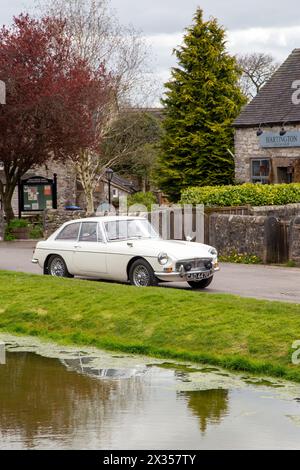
273, 104
123, 183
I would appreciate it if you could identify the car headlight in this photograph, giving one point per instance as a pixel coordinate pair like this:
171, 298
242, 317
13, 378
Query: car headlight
163, 258
213, 252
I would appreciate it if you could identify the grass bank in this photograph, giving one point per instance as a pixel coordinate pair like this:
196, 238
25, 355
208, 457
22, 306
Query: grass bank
232, 332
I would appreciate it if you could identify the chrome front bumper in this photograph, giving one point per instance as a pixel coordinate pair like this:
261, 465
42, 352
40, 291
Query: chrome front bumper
176, 276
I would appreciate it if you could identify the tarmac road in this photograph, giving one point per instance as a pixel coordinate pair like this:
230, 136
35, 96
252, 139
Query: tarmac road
262, 282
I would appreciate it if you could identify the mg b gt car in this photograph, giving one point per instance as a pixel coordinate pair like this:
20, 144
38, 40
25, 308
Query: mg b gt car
124, 249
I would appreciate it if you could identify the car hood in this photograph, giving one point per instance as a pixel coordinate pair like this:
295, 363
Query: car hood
174, 248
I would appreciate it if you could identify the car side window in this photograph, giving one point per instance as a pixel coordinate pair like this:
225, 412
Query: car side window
70, 232
88, 232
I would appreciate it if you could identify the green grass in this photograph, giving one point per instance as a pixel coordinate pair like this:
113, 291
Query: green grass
224, 330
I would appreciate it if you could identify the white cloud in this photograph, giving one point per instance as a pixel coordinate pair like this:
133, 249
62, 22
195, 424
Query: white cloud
276, 41
269, 27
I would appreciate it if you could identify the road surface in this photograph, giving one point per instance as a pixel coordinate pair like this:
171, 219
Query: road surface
262, 282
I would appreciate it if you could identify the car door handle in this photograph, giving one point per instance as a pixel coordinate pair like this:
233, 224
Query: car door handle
77, 246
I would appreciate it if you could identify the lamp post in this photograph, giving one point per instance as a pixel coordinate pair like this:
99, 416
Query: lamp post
109, 176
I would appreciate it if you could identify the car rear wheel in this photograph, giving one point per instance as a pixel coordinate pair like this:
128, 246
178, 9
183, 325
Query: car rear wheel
57, 267
141, 274
200, 284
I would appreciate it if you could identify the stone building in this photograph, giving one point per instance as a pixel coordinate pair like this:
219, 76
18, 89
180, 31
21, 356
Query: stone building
267, 132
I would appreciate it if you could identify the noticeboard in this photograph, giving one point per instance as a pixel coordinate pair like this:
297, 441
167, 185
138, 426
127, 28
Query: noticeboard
37, 194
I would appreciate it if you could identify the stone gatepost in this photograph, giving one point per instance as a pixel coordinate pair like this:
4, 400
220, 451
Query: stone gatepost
294, 251
1, 226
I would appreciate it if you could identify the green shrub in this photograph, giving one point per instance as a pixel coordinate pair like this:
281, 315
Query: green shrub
8, 236
18, 223
36, 232
291, 264
252, 194
146, 199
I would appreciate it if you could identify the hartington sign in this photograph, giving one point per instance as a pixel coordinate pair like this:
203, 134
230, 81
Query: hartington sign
274, 140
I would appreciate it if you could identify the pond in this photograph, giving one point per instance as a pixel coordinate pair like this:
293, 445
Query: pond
54, 397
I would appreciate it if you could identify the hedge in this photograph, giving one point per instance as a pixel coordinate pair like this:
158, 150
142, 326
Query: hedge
145, 199
252, 194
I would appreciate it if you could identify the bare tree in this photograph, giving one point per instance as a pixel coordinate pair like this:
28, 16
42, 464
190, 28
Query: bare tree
101, 40
257, 68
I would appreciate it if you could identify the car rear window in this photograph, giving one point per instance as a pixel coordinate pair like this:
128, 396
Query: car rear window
70, 232
88, 232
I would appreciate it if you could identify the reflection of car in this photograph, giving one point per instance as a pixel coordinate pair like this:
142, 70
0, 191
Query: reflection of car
124, 249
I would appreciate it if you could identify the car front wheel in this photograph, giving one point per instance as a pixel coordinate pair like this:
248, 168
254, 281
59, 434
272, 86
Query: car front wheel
57, 267
200, 284
141, 274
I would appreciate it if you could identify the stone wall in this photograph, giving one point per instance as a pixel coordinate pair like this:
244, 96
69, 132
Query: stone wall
238, 233
294, 241
247, 147
286, 212
271, 239
53, 219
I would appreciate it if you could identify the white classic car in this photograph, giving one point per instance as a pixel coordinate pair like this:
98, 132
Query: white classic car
124, 249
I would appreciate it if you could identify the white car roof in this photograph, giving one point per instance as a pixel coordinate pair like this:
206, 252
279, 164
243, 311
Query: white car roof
105, 219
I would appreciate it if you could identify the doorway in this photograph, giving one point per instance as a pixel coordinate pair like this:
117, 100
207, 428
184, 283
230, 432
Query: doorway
284, 175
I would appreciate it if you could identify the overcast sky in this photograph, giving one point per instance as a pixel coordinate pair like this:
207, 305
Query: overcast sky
271, 26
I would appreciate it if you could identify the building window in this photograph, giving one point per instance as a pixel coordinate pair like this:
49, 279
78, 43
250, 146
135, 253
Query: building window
260, 171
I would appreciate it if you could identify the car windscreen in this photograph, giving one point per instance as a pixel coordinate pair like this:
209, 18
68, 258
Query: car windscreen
129, 229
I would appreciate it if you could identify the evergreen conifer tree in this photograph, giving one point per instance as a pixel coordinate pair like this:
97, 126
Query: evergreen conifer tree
201, 101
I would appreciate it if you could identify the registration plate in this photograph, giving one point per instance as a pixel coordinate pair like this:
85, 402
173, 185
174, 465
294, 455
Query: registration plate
200, 276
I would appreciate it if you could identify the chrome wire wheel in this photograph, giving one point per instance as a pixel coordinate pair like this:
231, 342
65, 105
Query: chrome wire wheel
57, 267
141, 276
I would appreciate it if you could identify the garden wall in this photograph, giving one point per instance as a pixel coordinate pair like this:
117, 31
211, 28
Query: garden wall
285, 212
294, 240
243, 234
271, 239
53, 219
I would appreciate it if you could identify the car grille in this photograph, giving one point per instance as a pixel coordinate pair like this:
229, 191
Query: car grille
196, 264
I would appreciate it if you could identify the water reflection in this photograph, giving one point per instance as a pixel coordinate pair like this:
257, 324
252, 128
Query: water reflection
80, 365
38, 396
72, 403
209, 406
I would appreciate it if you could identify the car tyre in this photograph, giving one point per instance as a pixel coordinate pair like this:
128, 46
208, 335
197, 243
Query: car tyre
141, 274
199, 285
57, 267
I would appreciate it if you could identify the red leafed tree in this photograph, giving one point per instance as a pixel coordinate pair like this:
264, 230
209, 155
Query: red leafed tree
52, 99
